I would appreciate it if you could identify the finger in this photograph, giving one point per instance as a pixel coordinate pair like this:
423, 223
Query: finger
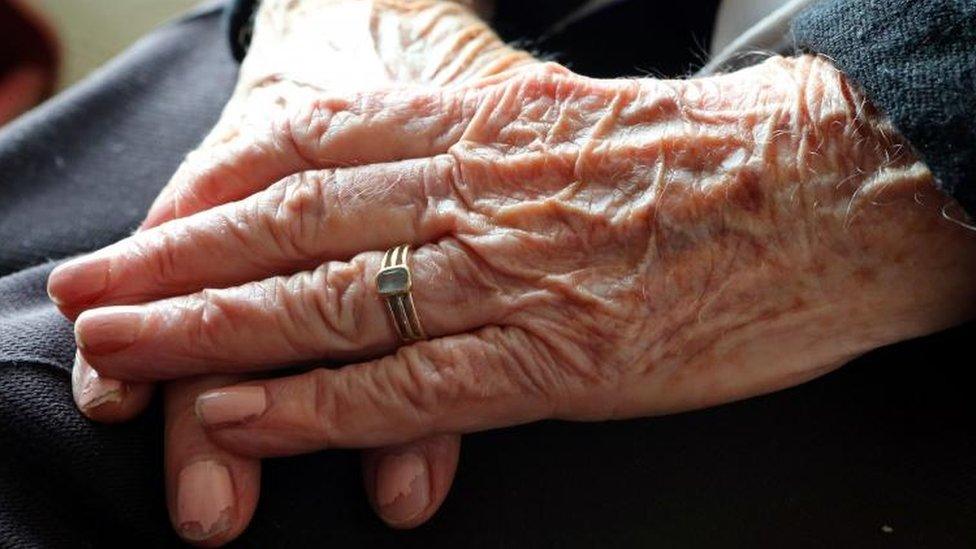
497, 377
211, 493
101, 398
104, 399
332, 313
406, 484
293, 226
369, 128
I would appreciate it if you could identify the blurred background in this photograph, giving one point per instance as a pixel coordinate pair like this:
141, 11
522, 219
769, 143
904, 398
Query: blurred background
47, 45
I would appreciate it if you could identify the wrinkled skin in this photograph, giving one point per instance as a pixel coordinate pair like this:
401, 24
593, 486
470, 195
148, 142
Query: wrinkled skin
585, 249
299, 47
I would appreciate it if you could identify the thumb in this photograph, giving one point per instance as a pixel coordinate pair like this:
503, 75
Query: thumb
407, 483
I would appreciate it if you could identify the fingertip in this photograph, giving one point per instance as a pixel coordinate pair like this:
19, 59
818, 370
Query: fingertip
109, 329
106, 400
402, 494
78, 282
212, 493
408, 483
206, 511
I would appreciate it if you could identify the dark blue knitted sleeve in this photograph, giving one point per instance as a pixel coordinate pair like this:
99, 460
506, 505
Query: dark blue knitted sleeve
916, 60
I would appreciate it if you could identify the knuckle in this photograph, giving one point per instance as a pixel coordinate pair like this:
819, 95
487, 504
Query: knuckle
447, 181
160, 252
209, 321
243, 229
207, 177
544, 77
336, 296
573, 368
470, 274
435, 377
307, 128
468, 165
293, 213
286, 298
529, 367
326, 408
551, 68
352, 401
475, 371
438, 205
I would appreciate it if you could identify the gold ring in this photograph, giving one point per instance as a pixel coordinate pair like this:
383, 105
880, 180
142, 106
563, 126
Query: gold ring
393, 283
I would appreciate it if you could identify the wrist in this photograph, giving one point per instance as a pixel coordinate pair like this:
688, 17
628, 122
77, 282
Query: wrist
909, 269
830, 193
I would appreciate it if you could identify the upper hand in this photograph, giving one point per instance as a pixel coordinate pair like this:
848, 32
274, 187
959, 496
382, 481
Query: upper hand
586, 249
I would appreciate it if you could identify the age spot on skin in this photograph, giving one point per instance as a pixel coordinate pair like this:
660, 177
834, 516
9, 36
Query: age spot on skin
746, 192
865, 275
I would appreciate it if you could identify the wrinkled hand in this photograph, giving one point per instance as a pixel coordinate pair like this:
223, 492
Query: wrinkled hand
586, 249
303, 48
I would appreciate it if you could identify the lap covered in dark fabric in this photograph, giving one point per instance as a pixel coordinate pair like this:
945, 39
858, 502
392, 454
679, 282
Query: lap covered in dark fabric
76, 174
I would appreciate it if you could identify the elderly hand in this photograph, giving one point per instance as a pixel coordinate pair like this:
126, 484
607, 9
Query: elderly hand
585, 249
302, 48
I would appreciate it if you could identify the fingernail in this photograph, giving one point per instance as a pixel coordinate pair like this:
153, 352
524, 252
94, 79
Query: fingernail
108, 329
402, 487
230, 406
78, 282
204, 500
90, 389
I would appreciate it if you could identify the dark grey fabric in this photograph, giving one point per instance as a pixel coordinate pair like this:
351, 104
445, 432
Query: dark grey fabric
916, 59
888, 441
75, 175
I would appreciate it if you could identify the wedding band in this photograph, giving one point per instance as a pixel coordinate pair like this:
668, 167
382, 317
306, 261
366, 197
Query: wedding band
393, 283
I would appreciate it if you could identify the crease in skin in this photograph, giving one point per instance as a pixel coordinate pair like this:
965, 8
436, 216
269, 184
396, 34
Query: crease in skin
376, 42
467, 46
496, 58
506, 60
486, 112
435, 30
659, 181
338, 310
463, 50
881, 182
542, 367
